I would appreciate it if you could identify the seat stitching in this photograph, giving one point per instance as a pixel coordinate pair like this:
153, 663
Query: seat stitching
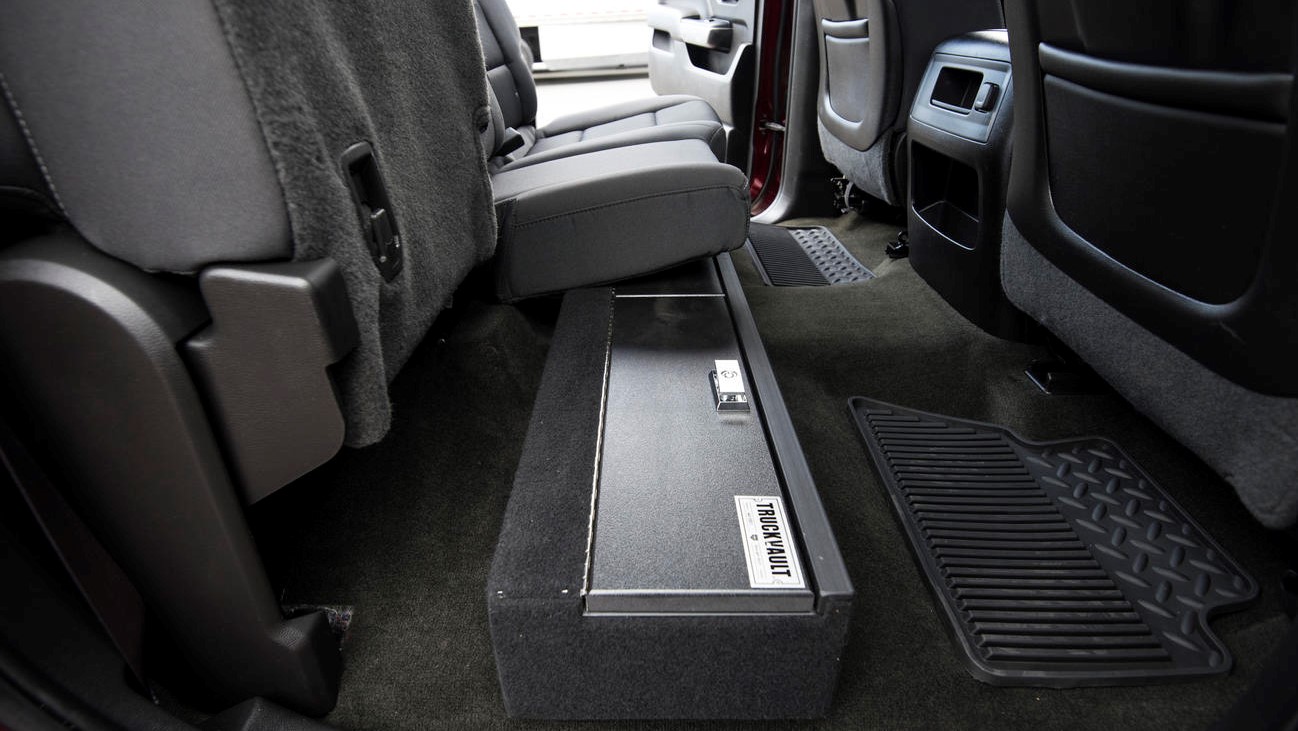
623, 202
31, 144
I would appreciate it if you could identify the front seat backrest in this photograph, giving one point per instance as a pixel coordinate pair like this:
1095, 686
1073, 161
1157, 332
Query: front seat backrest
1151, 220
872, 56
1149, 141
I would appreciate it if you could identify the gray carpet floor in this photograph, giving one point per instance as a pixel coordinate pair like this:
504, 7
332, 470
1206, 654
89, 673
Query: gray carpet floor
404, 531
895, 339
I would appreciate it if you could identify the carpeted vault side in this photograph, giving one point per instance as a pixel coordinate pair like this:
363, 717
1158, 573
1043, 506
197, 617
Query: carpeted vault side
407, 77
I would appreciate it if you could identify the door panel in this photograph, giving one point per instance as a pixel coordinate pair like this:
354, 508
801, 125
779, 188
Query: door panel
705, 48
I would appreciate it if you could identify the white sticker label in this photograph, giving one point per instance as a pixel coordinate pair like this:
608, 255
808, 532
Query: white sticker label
768, 543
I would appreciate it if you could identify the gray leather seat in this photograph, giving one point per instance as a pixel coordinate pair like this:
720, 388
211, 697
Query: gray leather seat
603, 195
1152, 224
509, 71
872, 56
611, 214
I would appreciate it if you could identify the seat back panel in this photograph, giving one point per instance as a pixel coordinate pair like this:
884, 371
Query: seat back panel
873, 54
1171, 213
1153, 168
407, 77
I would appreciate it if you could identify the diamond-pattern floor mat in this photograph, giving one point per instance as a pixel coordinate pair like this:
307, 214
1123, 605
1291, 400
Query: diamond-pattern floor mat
1056, 564
803, 257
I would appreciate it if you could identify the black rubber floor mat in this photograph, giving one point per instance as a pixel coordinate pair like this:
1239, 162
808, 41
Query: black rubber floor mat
803, 257
1057, 564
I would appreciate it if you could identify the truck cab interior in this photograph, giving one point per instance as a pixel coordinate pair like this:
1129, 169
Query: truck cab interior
898, 364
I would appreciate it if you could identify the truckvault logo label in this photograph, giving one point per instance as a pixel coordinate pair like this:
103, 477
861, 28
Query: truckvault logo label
769, 547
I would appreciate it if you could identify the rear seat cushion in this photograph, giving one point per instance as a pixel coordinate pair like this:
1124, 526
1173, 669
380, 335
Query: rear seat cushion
405, 76
655, 119
613, 214
635, 122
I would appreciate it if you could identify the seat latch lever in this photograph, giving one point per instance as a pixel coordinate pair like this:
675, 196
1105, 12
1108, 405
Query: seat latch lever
370, 195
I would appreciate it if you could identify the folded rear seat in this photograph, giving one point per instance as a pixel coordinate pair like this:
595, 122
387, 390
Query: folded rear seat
607, 215
509, 71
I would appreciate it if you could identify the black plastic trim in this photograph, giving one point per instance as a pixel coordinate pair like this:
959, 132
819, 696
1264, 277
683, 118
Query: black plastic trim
264, 359
1258, 96
959, 170
90, 346
823, 557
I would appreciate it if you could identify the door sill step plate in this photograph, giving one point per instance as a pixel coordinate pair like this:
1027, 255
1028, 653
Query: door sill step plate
1056, 564
803, 257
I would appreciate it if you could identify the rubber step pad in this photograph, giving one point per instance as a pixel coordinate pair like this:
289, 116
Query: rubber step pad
803, 257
